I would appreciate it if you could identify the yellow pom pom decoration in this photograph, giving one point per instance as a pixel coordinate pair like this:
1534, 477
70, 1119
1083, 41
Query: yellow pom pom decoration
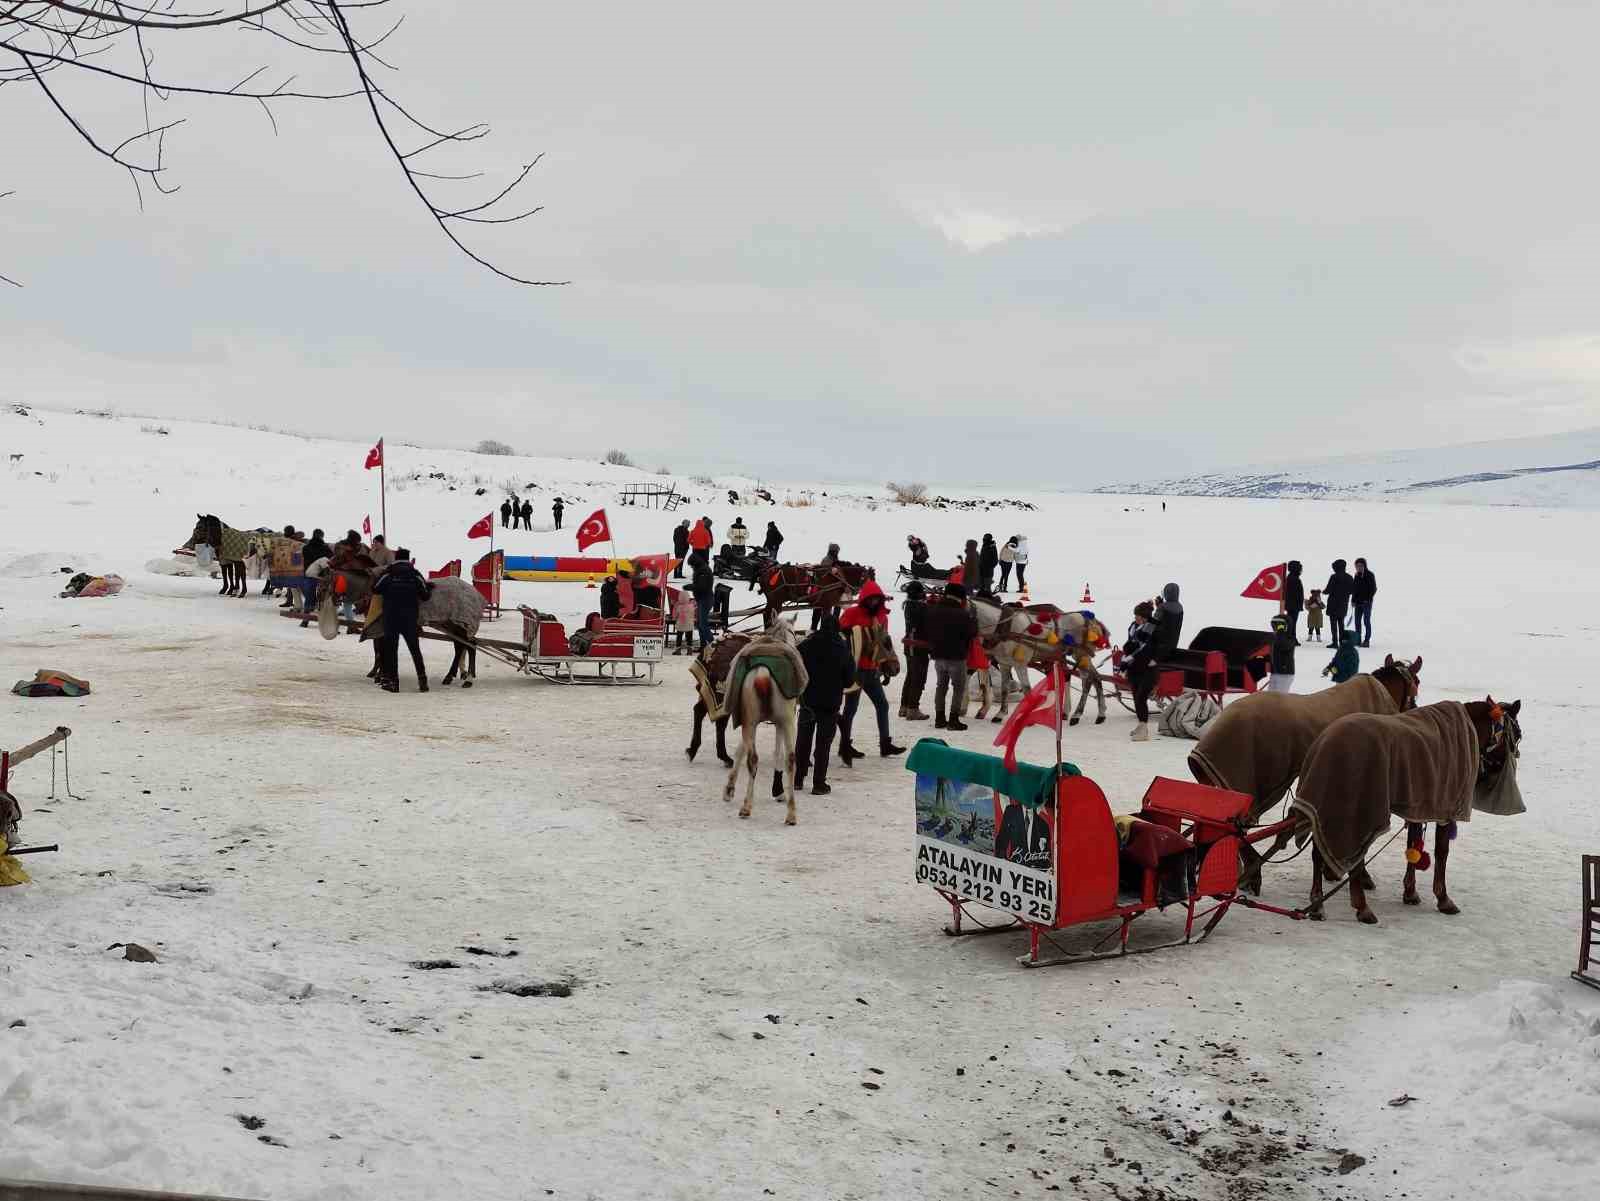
1413, 856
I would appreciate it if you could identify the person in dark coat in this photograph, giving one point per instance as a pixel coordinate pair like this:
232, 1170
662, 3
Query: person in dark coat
1337, 597
970, 577
680, 547
505, 514
526, 513
774, 539
610, 599
555, 511
830, 670
1143, 664
1346, 661
1294, 599
316, 548
949, 627
1363, 587
403, 590
1283, 644
988, 560
703, 583
916, 650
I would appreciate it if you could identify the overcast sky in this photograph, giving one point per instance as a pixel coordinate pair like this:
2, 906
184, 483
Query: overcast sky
1058, 243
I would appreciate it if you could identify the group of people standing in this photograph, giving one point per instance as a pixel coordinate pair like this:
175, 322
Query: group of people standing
1345, 595
518, 515
979, 563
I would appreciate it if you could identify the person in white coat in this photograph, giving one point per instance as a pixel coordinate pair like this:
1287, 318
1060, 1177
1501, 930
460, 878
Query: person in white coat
1019, 560
1008, 557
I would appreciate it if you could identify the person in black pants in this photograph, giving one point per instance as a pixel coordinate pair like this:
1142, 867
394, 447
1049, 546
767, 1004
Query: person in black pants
1337, 597
680, 547
829, 671
1147, 653
525, 511
555, 511
1294, 599
1363, 587
916, 648
703, 584
403, 590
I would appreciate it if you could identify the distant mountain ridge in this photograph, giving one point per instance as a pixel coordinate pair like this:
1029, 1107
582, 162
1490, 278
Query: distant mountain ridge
1552, 471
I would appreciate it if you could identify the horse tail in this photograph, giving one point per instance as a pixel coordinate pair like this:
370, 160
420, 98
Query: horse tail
761, 681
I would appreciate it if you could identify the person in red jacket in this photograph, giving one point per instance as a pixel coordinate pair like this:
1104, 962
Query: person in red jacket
866, 625
700, 536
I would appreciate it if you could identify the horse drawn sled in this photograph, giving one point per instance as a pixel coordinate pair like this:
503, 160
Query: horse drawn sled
1221, 661
1042, 845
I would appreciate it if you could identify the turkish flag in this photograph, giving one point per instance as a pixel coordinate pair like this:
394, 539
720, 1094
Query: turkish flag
483, 528
366, 525
595, 528
375, 456
1041, 707
1268, 584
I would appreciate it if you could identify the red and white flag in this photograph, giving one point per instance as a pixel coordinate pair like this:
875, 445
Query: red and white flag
595, 528
366, 525
1268, 584
483, 527
375, 456
1041, 707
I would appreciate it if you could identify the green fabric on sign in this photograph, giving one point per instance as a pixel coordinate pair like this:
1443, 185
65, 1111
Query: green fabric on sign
780, 667
1029, 784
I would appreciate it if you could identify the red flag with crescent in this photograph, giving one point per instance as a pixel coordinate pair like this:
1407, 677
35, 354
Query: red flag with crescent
595, 528
483, 527
1041, 707
375, 456
1268, 584
366, 525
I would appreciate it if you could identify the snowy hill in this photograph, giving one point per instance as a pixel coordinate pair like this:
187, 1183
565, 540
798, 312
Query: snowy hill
1553, 471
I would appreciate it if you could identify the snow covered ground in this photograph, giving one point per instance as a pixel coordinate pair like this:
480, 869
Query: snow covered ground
754, 1010
1551, 471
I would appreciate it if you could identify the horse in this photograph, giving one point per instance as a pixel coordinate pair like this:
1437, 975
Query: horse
710, 668
453, 605
823, 588
230, 546
754, 698
1258, 744
1404, 768
1023, 636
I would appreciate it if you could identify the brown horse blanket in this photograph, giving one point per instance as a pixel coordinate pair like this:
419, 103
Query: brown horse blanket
779, 656
1260, 741
1419, 766
710, 668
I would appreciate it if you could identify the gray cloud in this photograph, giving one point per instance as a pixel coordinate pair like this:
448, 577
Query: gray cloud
1010, 243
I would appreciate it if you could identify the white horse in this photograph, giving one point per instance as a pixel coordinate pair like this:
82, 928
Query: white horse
1020, 638
758, 700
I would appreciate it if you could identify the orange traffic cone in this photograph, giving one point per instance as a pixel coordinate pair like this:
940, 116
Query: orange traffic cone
1086, 598
590, 584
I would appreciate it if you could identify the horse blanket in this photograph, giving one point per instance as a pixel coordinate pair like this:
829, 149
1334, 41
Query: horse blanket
1420, 766
1259, 742
710, 668
779, 657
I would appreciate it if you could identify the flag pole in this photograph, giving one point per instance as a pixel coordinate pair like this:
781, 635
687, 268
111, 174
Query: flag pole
383, 494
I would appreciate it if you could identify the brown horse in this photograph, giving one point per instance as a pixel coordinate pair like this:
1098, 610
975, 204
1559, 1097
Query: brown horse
710, 669
822, 588
1496, 733
230, 547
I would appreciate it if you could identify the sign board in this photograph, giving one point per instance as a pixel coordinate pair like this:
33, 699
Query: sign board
652, 647
987, 849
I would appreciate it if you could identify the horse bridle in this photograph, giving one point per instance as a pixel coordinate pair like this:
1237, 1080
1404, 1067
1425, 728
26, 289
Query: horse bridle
1505, 732
1409, 679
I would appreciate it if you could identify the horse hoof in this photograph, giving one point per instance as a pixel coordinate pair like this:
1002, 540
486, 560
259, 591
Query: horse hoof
789, 821
1316, 915
994, 721
1367, 918
744, 813
1448, 907
466, 683
1411, 898
726, 762
690, 751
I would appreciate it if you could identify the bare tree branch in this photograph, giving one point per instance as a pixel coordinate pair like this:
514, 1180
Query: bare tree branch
48, 44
